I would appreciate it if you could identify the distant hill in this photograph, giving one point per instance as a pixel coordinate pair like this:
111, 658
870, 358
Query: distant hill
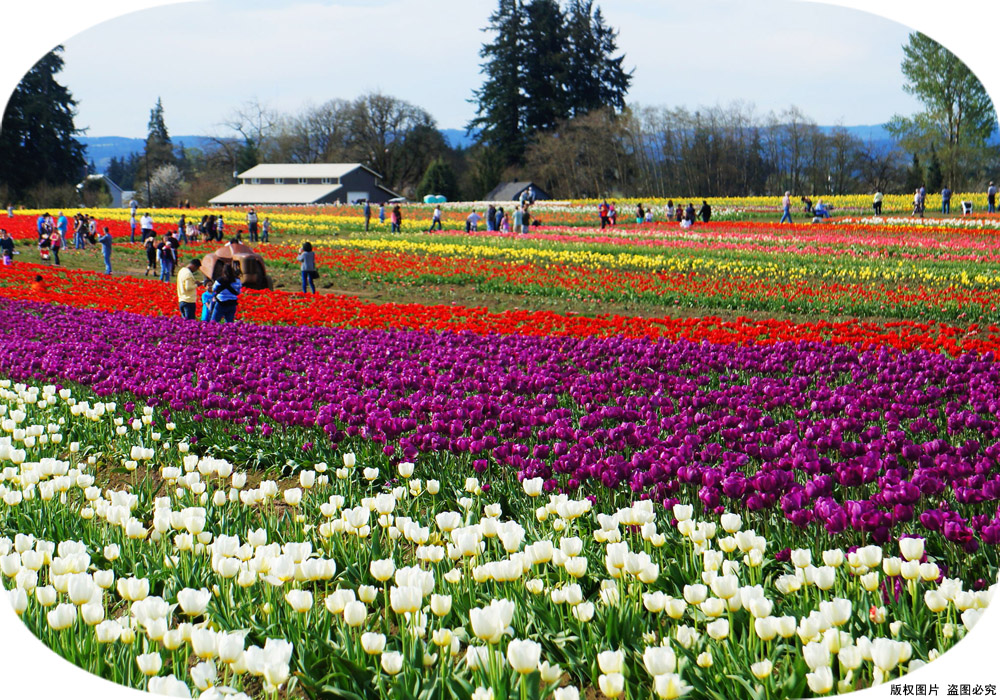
101, 149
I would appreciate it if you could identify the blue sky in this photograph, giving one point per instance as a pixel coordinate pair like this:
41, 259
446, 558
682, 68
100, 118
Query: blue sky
204, 58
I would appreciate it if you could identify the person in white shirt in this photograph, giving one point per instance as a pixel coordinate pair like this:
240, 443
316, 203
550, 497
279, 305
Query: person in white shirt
146, 225
472, 223
435, 220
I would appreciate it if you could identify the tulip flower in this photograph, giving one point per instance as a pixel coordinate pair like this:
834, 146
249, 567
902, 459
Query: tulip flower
392, 662
659, 660
611, 684
149, 664
523, 655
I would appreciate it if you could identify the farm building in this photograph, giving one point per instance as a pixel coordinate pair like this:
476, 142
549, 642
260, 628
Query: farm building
305, 183
511, 192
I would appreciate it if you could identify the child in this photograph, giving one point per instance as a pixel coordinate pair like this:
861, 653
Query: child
207, 302
6, 246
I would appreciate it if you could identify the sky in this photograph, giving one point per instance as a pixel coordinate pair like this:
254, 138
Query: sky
206, 58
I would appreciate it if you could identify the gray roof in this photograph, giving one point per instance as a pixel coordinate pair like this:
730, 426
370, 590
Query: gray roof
305, 170
276, 194
508, 191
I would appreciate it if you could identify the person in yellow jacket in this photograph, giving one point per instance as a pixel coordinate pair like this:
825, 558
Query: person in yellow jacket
187, 289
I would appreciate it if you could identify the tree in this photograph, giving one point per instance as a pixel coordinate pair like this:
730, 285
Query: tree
37, 144
914, 176
546, 55
500, 102
159, 148
165, 186
934, 175
595, 77
438, 179
958, 115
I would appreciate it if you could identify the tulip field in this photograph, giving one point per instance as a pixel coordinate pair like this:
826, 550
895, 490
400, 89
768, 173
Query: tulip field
772, 471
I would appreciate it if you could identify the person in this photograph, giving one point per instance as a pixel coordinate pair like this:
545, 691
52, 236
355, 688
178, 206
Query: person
821, 211
649, 215
918, 207
56, 243
252, 225
63, 225
518, 220
602, 212
207, 304
689, 213
505, 223
786, 205
472, 221
79, 226
187, 289
526, 223
38, 285
44, 246
807, 205
679, 212
991, 199
877, 202
220, 229
397, 219
150, 245
705, 213
192, 232
40, 225
168, 257
946, 200
368, 214
226, 292
146, 226
92, 230
612, 214
105, 241
381, 213
640, 214
308, 267
498, 219
10, 211
182, 229
6, 247
923, 199
435, 219
133, 207
265, 230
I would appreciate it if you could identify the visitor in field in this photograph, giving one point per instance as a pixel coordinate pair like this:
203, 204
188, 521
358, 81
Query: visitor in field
40, 225
168, 257
182, 235
705, 213
640, 214
187, 289
679, 212
435, 219
38, 285
10, 211
946, 200
505, 223
92, 230
670, 209
220, 229
821, 212
397, 219
491, 218
146, 226
472, 222
226, 292
150, 245
265, 230
62, 224
133, 207
307, 258
6, 247
786, 205
79, 226
649, 215
105, 240
132, 224
807, 205
877, 202
526, 224
612, 214
56, 242
602, 212
923, 198
518, 219
991, 199
918, 204
252, 225
689, 213
381, 214
367, 212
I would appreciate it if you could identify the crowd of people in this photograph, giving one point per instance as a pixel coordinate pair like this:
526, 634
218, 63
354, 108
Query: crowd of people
685, 216
219, 294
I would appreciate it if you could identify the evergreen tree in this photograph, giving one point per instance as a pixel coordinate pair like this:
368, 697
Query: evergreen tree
159, 149
37, 143
914, 176
935, 177
439, 178
595, 76
545, 66
500, 112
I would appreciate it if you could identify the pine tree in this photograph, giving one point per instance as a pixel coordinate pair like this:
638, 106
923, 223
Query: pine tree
439, 178
595, 76
914, 176
545, 66
500, 112
159, 149
935, 177
37, 143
